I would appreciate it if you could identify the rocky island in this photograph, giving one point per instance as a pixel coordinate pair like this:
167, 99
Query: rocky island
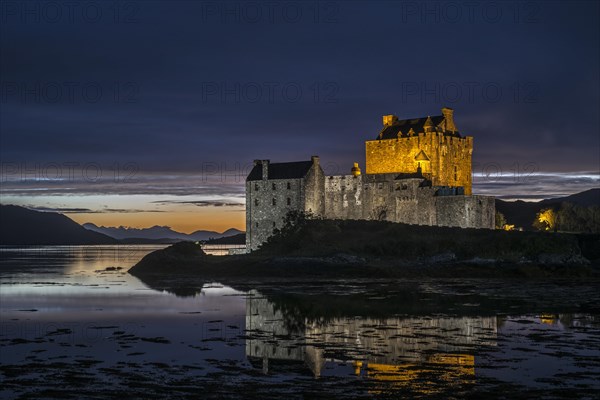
329, 249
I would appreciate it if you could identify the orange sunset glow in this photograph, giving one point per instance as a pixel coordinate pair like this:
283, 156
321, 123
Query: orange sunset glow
206, 218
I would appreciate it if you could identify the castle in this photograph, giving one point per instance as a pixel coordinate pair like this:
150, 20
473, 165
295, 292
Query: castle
418, 171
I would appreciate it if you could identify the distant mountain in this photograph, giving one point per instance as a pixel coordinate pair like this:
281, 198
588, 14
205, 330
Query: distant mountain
522, 213
121, 232
588, 198
21, 226
158, 233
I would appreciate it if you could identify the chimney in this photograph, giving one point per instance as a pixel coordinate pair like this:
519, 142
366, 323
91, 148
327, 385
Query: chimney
389, 120
315, 160
449, 117
265, 169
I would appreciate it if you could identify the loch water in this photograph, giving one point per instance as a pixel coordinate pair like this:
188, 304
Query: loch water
76, 324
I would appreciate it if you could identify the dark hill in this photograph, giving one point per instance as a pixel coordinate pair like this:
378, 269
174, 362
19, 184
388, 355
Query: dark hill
240, 238
21, 226
587, 199
522, 213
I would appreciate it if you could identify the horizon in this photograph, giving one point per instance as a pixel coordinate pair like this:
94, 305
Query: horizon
153, 116
81, 220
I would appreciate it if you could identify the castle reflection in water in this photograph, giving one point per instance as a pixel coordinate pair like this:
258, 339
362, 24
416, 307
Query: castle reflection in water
393, 350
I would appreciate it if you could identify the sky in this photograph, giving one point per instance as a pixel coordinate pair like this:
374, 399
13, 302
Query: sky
142, 113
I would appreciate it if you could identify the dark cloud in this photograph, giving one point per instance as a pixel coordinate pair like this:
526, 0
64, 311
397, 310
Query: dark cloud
69, 210
202, 203
78, 210
183, 85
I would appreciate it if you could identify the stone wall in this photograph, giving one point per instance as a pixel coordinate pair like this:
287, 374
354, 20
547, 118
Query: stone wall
314, 181
449, 157
382, 197
268, 201
363, 197
267, 204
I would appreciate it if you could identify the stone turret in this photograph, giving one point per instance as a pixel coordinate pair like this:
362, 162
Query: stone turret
429, 126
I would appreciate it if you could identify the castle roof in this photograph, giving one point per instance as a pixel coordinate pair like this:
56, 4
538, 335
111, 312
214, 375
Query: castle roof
402, 126
286, 170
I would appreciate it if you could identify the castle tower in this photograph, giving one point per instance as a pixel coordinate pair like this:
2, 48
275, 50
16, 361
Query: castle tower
431, 143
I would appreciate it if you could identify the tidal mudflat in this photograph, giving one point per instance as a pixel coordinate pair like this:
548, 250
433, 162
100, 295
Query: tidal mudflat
75, 324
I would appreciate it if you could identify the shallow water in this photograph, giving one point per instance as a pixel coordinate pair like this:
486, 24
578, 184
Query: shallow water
75, 324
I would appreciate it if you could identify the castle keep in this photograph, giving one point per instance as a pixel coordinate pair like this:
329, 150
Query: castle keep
418, 171
432, 143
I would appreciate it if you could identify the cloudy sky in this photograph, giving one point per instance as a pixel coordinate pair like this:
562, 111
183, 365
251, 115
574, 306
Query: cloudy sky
146, 112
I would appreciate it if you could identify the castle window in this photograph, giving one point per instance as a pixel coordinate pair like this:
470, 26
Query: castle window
274, 187
455, 173
289, 185
289, 201
256, 202
274, 202
256, 186
256, 224
273, 224
404, 186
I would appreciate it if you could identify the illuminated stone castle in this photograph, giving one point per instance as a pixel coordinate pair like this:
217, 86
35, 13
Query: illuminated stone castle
431, 143
418, 171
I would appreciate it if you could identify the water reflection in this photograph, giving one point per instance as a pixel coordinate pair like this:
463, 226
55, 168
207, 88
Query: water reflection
71, 310
399, 350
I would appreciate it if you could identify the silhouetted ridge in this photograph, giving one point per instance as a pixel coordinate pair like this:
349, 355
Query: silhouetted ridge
21, 226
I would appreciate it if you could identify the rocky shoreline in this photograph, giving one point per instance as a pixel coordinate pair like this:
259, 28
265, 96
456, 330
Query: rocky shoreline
321, 250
